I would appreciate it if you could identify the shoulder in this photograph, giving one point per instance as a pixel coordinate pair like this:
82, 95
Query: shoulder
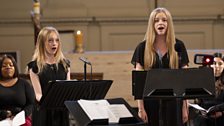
67, 62
33, 65
141, 45
24, 82
138, 55
179, 45
179, 42
140, 49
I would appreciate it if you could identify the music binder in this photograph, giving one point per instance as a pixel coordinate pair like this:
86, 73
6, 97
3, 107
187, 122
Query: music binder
62, 90
82, 119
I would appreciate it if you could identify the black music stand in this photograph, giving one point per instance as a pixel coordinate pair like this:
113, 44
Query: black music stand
183, 83
138, 83
82, 119
62, 90
179, 84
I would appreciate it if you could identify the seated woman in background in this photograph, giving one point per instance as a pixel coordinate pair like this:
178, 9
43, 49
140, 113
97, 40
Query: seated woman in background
15, 94
216, 115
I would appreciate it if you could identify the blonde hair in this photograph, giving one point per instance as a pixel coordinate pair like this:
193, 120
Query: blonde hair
39, 53
150, 52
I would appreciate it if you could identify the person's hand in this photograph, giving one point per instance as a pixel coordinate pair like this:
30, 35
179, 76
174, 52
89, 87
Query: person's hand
9, 114
142, 114
185, 116
185, 111
38, 97
213, 109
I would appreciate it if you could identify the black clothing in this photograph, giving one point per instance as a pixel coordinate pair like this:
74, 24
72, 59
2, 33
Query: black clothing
138, 56
218, 104
16, 98
49, 117
168, 107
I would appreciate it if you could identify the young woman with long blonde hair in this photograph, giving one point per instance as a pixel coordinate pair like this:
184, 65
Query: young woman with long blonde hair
159, 49
48, 64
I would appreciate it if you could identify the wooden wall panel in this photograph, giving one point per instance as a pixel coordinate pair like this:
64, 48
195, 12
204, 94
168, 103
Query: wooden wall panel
126, 35
124, 41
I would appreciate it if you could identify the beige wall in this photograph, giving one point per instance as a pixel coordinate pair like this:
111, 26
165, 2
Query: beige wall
18, 39
118, 25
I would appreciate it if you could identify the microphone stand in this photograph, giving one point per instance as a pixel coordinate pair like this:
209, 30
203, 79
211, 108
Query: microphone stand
85, 74
85, 79
85, 71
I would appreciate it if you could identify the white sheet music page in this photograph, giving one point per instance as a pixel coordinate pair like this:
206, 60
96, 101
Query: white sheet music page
117, 111
202, 110
95, 109
6, 122
196, 106
18, 120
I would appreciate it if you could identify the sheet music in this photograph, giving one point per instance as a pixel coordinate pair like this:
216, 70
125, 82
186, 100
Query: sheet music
117, 111
6, 122
101, 109
202, 110
95, 109
18, 120
196, 106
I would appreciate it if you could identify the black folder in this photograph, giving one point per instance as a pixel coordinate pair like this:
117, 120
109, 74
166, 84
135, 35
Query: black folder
62, 90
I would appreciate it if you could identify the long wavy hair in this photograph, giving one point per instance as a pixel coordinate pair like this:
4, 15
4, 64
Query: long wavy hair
39, 53
150, 51
219, 85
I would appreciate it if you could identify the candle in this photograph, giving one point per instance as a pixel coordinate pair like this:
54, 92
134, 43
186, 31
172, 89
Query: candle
79, 42
36, 7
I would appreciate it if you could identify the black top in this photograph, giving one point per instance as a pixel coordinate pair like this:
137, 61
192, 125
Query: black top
217, 105
138, 56
49, 73
20, 96
154, 107
44, 116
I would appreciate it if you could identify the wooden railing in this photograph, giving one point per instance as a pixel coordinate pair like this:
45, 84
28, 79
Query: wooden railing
77, 76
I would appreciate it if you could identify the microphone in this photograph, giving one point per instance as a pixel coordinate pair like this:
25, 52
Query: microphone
84, 60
